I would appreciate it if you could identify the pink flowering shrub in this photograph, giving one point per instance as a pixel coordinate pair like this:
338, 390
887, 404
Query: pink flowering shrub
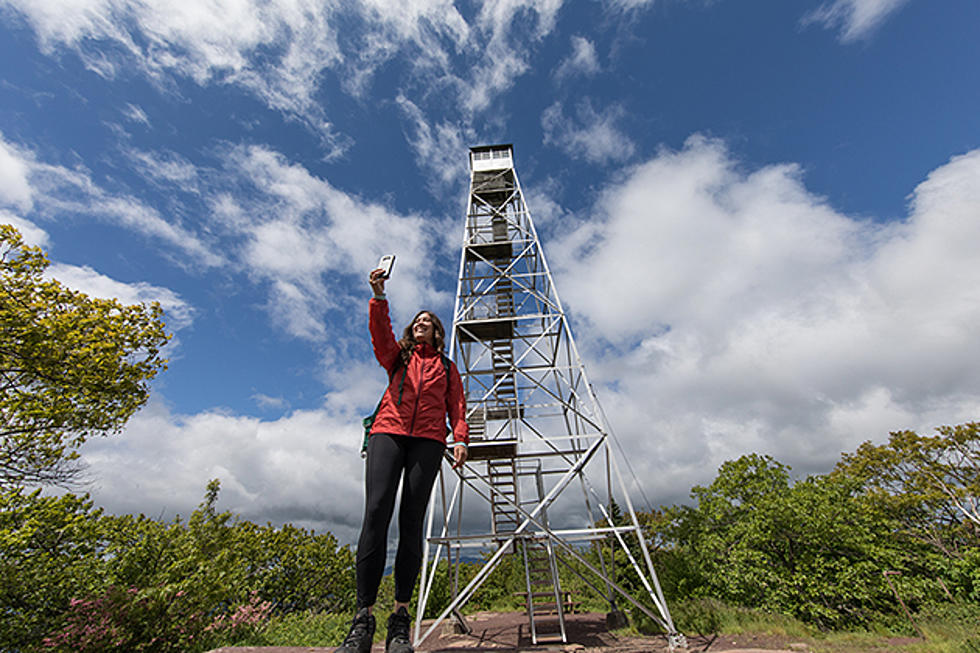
161, 621
245, 620
130, 620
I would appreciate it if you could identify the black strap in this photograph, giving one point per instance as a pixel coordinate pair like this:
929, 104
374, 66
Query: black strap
401, 384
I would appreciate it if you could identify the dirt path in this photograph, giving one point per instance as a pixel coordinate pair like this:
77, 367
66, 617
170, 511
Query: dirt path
507, 632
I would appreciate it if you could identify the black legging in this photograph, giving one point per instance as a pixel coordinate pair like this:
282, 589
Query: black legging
389, 457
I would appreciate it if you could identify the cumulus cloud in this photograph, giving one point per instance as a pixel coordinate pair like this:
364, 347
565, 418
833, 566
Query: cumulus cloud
303, 468
856, 19
726, 311
719, 310
592, 136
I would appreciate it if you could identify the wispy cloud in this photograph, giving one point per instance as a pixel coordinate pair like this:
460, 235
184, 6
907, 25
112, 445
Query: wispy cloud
165, 166
590, 135
275, 49
179, 314
136, 114
296, 231
581, 61
265, 402
42, 191
439, 148
856, 19
279, 50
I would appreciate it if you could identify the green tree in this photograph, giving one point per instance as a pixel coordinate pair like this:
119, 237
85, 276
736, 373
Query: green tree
931, 483
930, 487
71, 367
49, 554
814, 550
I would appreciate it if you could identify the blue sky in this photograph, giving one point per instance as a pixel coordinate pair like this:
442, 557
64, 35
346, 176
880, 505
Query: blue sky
762, 216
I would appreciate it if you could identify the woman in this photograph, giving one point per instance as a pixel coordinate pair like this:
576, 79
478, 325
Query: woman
406, 445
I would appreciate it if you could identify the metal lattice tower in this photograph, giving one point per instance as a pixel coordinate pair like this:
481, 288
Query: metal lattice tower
538, 437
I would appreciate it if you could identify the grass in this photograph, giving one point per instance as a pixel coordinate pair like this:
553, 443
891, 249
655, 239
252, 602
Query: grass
300, 629
948, 628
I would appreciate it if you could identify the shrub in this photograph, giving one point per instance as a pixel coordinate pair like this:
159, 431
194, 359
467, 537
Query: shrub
130, 620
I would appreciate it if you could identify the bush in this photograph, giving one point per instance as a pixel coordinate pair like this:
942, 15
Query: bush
72, 578
129, 620
697, 616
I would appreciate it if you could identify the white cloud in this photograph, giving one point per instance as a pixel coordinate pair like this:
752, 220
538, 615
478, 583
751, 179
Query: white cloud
136, 114
30, 232
727, 311
298, 233
53, 192
275, 49
165, 166
15, 187
720, 311
855, 18
582, 60
279, 50
179, 314
440, 148
303, 468
265, 402
595, 138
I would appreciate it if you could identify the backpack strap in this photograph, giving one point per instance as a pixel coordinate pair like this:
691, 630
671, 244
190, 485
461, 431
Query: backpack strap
368, 421
446, 364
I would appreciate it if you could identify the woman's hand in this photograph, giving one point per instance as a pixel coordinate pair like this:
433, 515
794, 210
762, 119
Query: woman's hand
459, 455
377, 281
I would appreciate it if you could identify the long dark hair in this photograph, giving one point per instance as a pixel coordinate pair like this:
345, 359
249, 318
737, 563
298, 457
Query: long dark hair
408, 342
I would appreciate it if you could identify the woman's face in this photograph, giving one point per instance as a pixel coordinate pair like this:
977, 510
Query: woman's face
423, 329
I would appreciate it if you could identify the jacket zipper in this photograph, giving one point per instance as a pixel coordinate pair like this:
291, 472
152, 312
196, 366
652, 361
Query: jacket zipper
418, 395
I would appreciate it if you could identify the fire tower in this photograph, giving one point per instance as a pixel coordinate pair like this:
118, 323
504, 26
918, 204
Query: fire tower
541, 471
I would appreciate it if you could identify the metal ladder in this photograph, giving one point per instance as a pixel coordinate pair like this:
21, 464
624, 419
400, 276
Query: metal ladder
503, 480
544, 597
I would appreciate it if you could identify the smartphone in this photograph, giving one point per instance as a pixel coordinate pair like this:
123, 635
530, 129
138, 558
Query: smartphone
386, 263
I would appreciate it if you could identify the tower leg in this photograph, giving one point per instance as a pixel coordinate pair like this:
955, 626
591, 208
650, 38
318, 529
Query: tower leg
616, 619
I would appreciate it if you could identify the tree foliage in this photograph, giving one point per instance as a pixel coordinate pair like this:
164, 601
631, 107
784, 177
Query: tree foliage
71, 366
930, 483
73, 578
815, 550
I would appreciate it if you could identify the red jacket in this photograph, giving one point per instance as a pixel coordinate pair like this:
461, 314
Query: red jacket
427, 395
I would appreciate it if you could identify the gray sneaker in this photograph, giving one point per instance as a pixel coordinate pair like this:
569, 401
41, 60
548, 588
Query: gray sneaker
361, 634
398, 640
